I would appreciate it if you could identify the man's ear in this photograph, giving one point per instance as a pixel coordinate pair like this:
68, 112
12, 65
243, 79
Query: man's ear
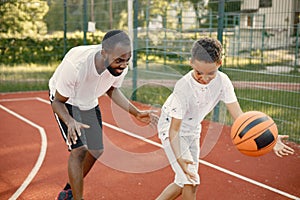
191, 61
104, 54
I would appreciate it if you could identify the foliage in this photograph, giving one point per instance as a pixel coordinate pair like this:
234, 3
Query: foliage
23, 18
106, 14
41, 49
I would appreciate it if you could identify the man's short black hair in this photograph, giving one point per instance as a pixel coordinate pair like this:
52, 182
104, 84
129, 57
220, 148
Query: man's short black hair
114, 37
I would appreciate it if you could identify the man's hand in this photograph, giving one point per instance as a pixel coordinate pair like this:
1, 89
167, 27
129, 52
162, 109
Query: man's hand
280, 149
148, 116
73, 127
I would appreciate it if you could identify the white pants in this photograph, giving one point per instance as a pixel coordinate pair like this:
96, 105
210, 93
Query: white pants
190, 150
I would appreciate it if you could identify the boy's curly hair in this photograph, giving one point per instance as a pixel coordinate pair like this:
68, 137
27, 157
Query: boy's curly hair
207, 49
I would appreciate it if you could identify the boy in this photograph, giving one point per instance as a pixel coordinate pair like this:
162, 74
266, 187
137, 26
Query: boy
194, 96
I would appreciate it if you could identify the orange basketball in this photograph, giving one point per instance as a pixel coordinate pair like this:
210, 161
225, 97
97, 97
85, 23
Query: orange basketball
254, 133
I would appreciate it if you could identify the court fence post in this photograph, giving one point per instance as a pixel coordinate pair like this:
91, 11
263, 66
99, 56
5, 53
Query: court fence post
65, 27
84, 21
135, 45
221, 9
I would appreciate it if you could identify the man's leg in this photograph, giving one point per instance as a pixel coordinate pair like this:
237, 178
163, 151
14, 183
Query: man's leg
75, 171
80, 163
90, 159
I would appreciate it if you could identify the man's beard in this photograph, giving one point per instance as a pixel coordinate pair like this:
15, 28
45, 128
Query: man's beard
110, 69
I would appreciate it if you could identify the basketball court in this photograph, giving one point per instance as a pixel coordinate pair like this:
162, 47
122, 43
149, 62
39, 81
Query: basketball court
133, 166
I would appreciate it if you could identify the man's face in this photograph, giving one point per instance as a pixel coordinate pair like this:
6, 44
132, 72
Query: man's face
117, 60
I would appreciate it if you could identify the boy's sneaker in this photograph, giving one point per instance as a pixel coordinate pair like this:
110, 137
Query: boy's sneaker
65, 195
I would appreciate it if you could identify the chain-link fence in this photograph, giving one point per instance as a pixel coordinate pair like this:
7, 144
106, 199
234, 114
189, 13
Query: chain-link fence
261, 55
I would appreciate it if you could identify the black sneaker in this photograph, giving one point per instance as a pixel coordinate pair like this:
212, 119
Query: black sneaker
65, 195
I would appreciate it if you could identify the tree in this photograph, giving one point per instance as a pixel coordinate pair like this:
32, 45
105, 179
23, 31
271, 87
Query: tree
24, 17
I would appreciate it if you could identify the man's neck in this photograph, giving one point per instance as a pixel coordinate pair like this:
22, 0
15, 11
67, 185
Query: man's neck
99, 63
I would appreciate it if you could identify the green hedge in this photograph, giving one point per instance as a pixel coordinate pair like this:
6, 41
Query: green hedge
41, 49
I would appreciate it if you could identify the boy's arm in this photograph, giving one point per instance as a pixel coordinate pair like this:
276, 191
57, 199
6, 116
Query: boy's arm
175, 144
174, 136
234, 109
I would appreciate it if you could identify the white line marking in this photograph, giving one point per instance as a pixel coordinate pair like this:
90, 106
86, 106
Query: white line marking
40, 159
201, 161
132, 134
19, 99
207, 163
43, 100
248, 180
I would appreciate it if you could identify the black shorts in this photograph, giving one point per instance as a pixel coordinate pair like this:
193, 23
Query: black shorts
91, 137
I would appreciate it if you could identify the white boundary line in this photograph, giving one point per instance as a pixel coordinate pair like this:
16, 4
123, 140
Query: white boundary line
200, 161
40, 159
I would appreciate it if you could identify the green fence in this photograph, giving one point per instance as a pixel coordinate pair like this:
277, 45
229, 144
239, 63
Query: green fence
260, 39
261, 53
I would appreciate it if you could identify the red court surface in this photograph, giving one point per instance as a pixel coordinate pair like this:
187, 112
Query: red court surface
133, 166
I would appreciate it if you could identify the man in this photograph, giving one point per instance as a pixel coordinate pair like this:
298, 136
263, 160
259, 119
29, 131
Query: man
86, 73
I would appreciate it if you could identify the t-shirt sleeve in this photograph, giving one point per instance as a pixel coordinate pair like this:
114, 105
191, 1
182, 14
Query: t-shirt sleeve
66, 80
176, 107
178, 103
229, 95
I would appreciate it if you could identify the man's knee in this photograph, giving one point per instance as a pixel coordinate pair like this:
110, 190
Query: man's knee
96, 153
79, 153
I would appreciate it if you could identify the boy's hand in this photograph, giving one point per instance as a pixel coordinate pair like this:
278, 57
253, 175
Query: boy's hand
184, 165
280, 149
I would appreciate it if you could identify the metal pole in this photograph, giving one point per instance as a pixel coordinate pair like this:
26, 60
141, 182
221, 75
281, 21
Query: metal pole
110, 14
297, 46
263, 40
84, 21
130, 28
92, 11
65, 27
147, 34
135, 44
221, 9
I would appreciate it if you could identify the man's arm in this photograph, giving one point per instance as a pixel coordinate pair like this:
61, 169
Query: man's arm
118, 97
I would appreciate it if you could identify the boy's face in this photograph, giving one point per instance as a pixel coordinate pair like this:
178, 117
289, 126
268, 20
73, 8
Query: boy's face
204, 72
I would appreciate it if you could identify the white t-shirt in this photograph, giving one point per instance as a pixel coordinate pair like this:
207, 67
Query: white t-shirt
77, 78
191, 101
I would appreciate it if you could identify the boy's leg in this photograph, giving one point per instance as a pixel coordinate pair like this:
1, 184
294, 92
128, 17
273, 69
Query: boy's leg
171, 192
189, 192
